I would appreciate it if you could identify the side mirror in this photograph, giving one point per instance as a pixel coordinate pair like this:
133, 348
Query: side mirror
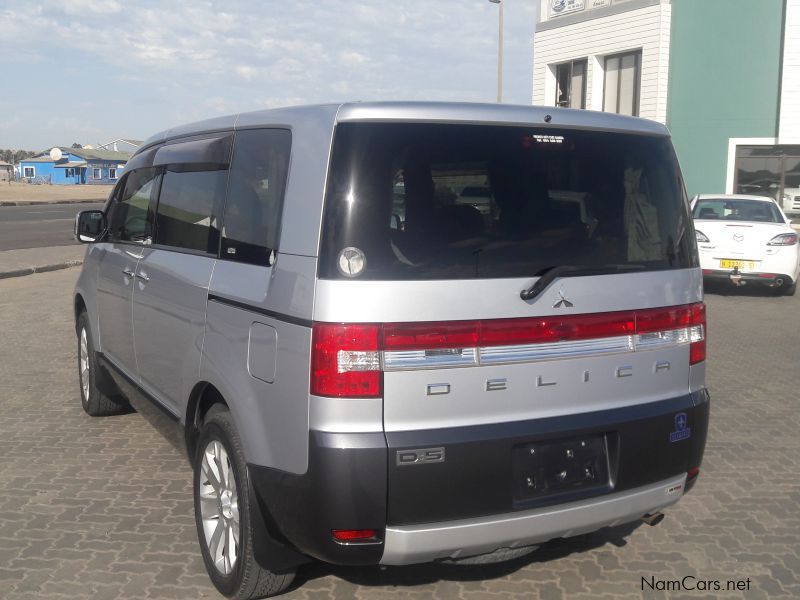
90, 225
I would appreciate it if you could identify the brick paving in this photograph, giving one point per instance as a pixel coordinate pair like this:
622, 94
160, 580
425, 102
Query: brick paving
101, 508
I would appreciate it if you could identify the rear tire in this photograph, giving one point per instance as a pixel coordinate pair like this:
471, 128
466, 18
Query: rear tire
790, 290
222, 513
94, 402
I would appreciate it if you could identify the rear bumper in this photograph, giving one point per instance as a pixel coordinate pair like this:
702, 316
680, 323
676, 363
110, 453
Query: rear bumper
469, 503
766, 278
470, 537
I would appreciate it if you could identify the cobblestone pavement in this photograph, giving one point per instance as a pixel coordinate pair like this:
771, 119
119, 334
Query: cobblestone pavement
101, 508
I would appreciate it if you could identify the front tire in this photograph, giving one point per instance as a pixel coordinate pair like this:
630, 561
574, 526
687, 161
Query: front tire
94, 402
223, 513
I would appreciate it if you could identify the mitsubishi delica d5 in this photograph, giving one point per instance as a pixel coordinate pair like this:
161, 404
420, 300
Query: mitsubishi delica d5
397, 333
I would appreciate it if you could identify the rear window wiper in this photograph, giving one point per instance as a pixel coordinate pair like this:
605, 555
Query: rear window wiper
550, 274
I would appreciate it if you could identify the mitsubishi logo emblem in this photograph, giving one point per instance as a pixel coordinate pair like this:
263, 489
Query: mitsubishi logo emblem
562, 301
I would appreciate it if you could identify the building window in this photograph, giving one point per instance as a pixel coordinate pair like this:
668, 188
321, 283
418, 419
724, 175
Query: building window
623, 79
571, 84
771, 171
97, 173
112, 173
29, 172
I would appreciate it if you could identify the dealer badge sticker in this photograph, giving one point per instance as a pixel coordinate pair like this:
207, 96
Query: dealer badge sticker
681, 432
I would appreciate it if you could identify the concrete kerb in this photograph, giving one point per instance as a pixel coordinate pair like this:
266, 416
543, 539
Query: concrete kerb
27, 261
40, 269
43, 202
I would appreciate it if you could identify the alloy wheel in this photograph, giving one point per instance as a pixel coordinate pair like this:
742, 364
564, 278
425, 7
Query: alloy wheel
219, 507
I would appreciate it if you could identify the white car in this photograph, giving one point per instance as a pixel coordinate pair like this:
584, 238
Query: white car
791, 200
746, 239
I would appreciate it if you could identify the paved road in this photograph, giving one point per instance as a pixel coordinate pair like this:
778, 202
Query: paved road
101, 508
39, 225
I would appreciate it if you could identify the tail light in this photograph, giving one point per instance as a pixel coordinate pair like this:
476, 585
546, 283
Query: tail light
348, 360
784, 239
697, 333
345, 361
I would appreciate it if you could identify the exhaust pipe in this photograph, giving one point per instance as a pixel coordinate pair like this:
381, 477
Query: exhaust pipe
779, 282
653, 519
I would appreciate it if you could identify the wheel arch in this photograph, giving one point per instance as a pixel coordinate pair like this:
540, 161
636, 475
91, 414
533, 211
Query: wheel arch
79, 306
204, 395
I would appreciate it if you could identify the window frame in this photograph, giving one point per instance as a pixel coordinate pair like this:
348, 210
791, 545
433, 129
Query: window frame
215, 212
112, 173
219, 203
95, 171
571, 63
25, 170
279, 226
113, 202
637, 82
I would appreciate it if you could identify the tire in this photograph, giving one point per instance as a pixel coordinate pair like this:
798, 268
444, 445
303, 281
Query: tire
94, 402
790, 290
219, 458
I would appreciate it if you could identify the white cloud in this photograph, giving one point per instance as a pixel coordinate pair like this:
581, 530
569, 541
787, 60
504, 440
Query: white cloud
149, 58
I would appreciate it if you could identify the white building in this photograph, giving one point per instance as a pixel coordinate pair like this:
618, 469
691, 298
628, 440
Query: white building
610, 55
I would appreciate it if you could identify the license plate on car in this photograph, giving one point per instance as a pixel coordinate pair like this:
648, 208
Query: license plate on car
736, 264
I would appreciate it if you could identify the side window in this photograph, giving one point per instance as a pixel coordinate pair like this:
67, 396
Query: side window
131, 213
187, 208
255, 195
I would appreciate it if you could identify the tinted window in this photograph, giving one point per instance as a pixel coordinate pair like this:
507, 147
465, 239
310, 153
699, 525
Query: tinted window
255, 196
737, 210
132, 215
426, 201
187, 207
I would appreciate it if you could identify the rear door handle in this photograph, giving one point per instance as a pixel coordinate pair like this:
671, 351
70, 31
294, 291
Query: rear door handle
142, 276
128, 272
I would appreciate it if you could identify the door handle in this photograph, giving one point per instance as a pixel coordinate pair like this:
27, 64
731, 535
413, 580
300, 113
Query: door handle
142, 276
128, 272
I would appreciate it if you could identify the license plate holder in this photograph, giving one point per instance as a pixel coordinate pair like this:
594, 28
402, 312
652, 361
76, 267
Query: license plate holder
730, 263
570, 466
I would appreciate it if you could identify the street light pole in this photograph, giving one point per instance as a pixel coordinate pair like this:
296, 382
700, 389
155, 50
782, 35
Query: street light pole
499, 51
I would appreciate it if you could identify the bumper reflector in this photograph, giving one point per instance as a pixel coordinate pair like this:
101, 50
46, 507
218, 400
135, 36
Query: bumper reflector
354, 535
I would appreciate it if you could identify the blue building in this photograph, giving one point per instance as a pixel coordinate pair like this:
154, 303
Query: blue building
76, 166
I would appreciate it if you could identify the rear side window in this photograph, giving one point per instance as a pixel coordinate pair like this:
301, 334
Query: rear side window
132, 214
255, 196
187, 206
430, 201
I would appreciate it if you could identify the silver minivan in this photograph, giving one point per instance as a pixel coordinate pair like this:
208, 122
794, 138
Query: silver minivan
369, 362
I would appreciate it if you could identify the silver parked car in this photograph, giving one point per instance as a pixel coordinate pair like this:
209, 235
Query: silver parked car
365, 370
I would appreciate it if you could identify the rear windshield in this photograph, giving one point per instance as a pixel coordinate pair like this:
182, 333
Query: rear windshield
431, 201
737, 210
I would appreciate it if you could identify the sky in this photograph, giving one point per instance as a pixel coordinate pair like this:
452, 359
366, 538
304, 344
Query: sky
90, 71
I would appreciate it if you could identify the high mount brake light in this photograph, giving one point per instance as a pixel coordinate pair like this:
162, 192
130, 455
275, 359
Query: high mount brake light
348, 360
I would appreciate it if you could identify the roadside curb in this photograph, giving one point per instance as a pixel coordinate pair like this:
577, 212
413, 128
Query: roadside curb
44, 202
41, 269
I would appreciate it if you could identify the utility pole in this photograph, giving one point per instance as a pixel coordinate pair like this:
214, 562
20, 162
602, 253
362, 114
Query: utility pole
499, 51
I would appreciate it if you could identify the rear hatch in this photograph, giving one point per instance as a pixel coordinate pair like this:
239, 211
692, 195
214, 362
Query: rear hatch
430, 235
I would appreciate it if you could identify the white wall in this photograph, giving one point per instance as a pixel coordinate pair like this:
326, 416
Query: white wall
789, 124
647, 29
